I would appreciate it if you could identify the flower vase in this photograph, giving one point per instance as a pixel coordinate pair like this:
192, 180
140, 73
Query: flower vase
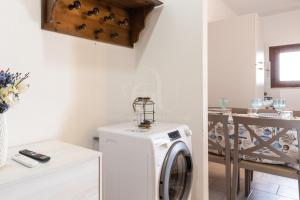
3, 141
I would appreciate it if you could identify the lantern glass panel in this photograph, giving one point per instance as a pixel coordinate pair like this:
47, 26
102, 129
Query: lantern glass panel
144, 111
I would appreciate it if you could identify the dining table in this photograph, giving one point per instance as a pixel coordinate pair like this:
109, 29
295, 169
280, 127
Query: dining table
287, 144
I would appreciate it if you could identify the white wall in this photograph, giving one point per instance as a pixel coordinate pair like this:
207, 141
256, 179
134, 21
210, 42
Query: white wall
78, 85
231, 57
218, 10
282, 29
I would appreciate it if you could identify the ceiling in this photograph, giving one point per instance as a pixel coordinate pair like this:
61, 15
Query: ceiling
262, 7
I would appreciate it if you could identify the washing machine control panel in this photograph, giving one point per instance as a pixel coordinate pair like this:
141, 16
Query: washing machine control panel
174, 135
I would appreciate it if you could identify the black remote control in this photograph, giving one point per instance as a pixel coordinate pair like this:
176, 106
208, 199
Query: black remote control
35, 156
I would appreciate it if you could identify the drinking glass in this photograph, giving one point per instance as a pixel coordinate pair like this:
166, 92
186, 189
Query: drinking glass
256, 104
279, 105
223, 103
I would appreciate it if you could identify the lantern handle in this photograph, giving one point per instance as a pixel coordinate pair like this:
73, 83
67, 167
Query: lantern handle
133, 104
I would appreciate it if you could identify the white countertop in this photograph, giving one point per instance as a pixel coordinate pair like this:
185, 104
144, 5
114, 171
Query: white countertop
131, 129
62, 155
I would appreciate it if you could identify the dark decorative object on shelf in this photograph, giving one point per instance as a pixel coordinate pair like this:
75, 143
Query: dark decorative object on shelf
81, 27
143, 108
109, 17
114, 35
75, 5
95, 12
97, 32
123, 20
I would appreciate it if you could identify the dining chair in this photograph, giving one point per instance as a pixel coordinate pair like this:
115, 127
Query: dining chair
296, 113
262, 155
219, 146
239, 110
245, 110
213, 107
263, 110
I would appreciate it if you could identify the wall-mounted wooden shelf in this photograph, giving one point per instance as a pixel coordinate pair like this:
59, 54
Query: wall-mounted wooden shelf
112, 21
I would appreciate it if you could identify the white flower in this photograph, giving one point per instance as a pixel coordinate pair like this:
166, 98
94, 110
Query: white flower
4, 92
22, 87
12, 89
10, 99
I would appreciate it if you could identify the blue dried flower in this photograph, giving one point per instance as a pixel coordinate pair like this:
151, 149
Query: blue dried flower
10, 87
3, 107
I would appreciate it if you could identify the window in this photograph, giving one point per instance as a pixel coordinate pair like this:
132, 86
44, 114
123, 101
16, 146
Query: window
285, 66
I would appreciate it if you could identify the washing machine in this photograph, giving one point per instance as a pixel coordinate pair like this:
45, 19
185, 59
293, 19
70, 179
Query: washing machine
139, 164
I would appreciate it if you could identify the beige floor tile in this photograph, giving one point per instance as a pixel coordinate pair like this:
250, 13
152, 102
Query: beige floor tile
261, 195
288, 192
258, 175
265, 186
280, 180
215, 194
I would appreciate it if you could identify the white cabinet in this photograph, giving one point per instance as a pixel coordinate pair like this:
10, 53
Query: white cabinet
235, 60
73, 173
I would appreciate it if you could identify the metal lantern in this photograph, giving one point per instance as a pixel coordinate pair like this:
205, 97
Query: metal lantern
144, 111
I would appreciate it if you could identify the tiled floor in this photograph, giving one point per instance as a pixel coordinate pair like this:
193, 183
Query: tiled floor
264, 186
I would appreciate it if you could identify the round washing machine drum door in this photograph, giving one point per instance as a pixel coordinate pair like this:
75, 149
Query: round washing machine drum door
176, 174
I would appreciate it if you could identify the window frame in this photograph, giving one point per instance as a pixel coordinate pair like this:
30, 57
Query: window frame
274, 53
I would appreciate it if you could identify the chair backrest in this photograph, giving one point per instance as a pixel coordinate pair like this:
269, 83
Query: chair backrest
212, 108
266, 111
296, 113
264, 133
218, 126
239, 110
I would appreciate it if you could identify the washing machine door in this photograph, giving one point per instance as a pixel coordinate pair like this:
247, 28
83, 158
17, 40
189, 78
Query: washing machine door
176, 174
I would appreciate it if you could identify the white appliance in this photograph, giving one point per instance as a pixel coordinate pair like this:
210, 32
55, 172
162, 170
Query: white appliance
154, 164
